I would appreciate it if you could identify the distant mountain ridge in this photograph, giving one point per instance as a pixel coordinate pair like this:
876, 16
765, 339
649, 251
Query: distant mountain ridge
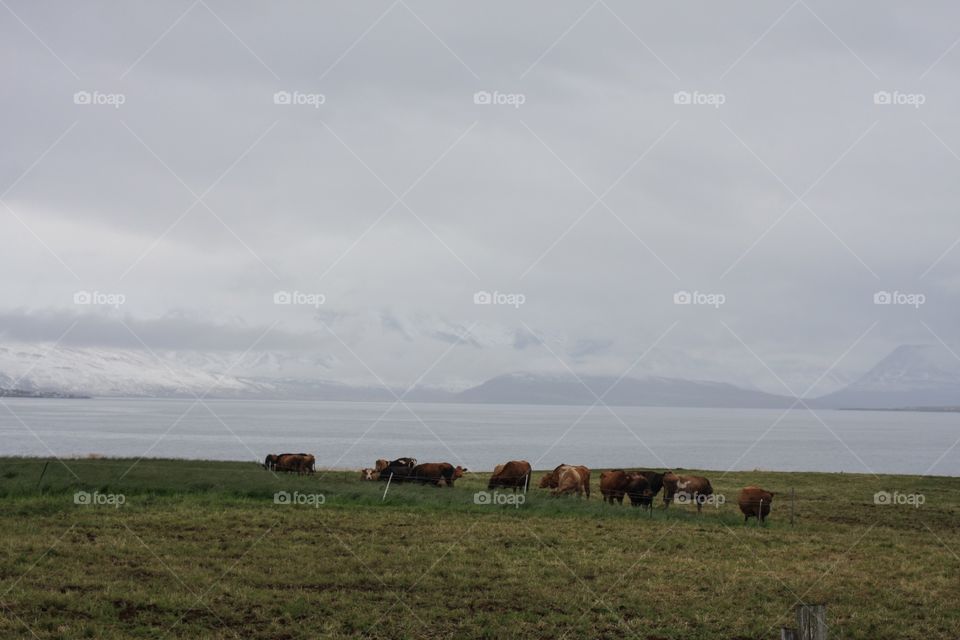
910, 376
525, 388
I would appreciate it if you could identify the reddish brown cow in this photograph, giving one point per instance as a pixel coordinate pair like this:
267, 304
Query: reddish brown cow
754, 502
512, 475
695, 488
436, 473
613, 485
573, 479
295, 462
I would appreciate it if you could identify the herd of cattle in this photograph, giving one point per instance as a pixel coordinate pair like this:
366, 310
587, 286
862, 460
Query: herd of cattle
640, 487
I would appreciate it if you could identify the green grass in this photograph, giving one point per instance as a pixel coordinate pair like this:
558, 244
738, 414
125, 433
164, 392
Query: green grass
199, 549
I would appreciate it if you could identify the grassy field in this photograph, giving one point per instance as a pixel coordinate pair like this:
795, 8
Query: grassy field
200, 549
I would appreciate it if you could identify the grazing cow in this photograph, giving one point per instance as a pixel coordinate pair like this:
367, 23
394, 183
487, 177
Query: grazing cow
573, 479
754, 502
367, 474
271, 462
295, 462
399, 472
514, 474
552, 480
638, 488
696, 488
613, 485
436, 473
381, 465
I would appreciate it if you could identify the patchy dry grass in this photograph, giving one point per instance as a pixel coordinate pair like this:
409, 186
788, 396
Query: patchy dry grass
200, 549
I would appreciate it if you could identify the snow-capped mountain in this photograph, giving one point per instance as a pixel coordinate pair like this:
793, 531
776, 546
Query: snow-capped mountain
911, 376
140, 373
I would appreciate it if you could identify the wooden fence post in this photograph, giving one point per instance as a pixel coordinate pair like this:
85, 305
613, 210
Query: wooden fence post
811, 622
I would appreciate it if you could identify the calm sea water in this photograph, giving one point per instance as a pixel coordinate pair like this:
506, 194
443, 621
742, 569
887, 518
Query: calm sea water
353, 435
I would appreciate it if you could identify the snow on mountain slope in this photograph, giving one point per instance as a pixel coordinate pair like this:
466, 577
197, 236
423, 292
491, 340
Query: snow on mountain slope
911, 376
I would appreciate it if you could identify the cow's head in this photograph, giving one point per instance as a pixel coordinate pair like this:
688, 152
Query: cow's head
367, 474
546, 481
458, 472
270, 461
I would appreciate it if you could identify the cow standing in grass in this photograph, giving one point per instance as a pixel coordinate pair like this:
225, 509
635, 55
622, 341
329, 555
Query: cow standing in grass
512, 475
299, 463
573, 479
552, 480
695, 488
754, 502
436, 473
613, 485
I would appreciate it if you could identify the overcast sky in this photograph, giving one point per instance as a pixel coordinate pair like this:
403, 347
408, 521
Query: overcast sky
148, 154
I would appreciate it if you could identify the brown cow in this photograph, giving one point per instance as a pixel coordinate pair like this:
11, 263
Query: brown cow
573, 479
695, 488
613, 485
295, 462
639, 490
367, 474
436, 473
380, 465
271, 462
552, 480
514, 474
754, 502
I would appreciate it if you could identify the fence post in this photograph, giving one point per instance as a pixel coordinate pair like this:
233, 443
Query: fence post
812, 621
45, 465
760, 513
